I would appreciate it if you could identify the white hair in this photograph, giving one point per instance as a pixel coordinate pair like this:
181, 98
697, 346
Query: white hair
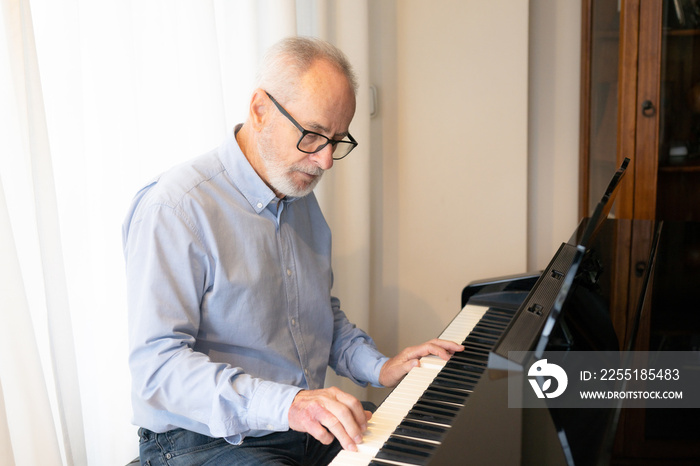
288, 60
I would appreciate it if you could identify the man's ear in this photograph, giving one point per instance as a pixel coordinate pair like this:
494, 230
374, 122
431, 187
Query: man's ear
259, 109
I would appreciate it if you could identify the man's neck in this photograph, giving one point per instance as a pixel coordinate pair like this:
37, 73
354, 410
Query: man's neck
247, 145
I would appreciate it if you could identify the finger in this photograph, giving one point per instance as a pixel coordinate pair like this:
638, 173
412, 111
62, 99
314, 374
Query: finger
447, 345
442, 348
394, 371
305, 414
320, 433
450, 345
355, 407
335, 426
351, 416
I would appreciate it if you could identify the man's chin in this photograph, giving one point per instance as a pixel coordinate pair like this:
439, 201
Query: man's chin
301, 192
307, 184
298, 189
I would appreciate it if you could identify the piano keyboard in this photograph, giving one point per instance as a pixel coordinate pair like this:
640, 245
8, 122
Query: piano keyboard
411, 422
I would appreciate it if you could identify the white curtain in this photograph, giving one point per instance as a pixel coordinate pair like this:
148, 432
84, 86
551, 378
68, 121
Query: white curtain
97, 97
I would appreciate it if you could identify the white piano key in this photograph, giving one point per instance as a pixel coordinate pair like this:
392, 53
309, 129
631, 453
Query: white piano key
396, 406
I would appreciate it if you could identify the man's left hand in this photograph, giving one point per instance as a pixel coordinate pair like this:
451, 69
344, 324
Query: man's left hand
397, 367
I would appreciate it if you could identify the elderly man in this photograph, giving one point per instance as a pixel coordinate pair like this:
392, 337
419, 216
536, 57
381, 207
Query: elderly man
228, 261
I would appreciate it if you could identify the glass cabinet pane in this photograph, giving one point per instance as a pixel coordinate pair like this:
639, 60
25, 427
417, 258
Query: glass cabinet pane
605, 44
678, 193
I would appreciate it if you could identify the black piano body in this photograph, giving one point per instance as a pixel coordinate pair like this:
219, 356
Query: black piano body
487, 430
646, 294
567, 307
594, 296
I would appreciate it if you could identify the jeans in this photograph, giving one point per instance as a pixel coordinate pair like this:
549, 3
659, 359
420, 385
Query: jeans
181, 447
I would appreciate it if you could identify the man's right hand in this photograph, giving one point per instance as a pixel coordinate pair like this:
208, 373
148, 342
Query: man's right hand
329, 413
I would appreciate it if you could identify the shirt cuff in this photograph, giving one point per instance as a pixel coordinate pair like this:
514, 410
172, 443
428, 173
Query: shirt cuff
269, 406
367, 362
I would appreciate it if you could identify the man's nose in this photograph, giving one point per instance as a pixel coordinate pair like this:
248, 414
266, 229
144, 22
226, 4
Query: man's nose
324, 157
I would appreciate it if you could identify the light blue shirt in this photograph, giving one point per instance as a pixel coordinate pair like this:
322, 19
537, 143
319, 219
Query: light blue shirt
230, 311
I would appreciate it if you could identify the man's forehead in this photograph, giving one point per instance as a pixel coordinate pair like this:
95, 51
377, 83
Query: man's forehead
326, 111
323, 74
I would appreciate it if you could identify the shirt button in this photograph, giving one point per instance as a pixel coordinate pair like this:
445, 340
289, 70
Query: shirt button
289, 273
294, 322
260, 205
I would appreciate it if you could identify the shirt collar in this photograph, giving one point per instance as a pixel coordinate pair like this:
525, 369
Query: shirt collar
244, 177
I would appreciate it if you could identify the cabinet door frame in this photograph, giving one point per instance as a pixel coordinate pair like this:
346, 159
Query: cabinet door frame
646, 149
639, 78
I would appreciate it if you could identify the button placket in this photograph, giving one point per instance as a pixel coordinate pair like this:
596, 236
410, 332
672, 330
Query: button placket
291, 287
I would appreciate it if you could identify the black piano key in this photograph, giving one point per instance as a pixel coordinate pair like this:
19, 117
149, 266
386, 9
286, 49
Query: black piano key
446, 390
481, 338
411, 428
429, 416
492, 320
455, 384
480, 355
477, 352
486, 330
465, 363
474, 356
436, 404
415, 446
406, 450
450, 374
436, 408
439, 394
391, 454
466, 368
491, 325
481, 343
501, 312
476, 345
497, 320
495, 327
451, 370
444, 398
485, 336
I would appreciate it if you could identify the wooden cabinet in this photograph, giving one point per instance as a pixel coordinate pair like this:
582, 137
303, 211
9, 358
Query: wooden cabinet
641, 99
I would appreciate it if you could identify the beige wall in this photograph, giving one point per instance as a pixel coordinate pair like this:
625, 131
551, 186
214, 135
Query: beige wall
553, 134
462, 153
477, 111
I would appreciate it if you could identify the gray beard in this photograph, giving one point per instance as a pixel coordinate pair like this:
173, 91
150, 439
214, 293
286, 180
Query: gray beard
280, 177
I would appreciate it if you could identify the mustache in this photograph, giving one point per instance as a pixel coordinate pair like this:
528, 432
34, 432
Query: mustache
313, 171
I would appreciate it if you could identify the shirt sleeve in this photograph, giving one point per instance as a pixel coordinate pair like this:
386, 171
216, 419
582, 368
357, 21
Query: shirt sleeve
354, 353
167, 269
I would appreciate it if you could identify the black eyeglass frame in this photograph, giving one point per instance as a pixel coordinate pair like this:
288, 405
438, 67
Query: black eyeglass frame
304, 132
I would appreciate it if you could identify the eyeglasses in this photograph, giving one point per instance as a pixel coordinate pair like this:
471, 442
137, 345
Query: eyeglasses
311, 142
